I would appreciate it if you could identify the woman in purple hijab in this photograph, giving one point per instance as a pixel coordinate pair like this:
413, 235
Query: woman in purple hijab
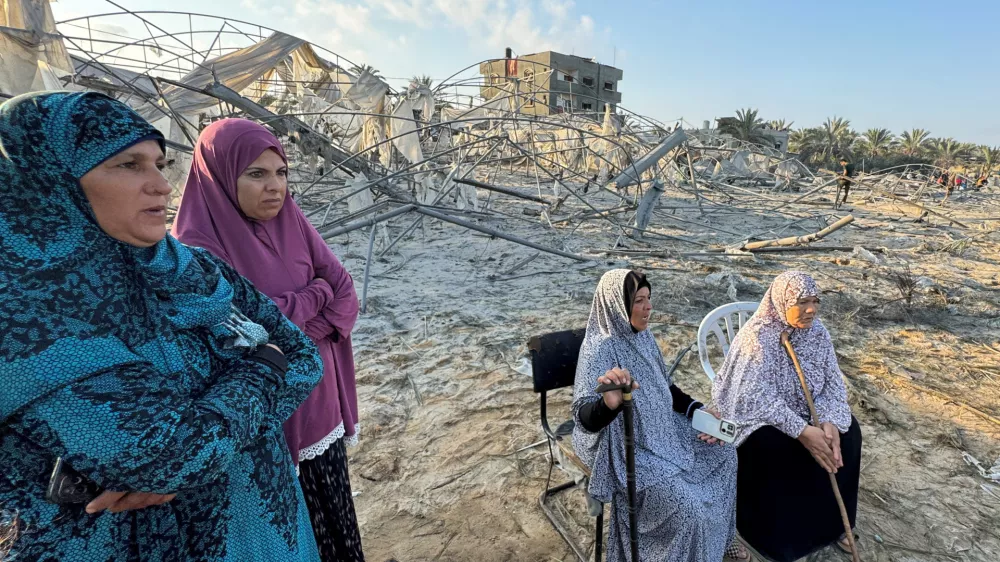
236, 205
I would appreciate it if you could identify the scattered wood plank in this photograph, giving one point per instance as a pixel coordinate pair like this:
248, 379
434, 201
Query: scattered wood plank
799, 240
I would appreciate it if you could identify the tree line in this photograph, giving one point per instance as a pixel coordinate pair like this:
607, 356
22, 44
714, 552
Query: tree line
875, 148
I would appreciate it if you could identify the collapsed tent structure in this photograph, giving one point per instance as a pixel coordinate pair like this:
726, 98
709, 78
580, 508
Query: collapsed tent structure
364, 153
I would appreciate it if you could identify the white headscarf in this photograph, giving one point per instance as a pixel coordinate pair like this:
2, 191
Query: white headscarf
664, 441
758, 385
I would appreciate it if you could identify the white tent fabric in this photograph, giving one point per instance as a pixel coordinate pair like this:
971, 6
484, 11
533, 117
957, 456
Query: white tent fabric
704, 166
403, 129
115, 77
423, 100
740, 162
466, 196
789, 169
32, 54
367, 92
502, 103
364, 199
320, 76
236, 70
361, 198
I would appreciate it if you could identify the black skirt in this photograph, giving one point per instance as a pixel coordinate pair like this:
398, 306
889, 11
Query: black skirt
327, 488
785, 507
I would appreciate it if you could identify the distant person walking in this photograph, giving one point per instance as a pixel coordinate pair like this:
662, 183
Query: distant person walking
844, 182
945, 181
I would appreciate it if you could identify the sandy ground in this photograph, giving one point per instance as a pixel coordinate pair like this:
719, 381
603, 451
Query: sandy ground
446, 468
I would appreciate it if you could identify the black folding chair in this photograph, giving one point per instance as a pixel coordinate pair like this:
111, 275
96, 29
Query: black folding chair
553, 366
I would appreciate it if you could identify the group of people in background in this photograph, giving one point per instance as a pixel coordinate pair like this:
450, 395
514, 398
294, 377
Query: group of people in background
694, 493
201, 383
199, 387
846, 171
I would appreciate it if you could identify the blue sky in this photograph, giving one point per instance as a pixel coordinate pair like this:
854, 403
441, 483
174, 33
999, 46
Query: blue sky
902, 64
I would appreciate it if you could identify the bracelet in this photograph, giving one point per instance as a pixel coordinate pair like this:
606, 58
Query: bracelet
688, 414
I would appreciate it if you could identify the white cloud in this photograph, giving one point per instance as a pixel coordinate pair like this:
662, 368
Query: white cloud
388, 30
349, 17
558, 9
518, 24
414, 12
469, 14
264, 8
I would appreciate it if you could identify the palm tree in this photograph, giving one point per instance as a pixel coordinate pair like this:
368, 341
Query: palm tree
359, 70
806, 142
746, 126
421, 80
991, 157
913, 142
837, 137
948, 152
630, 123
877, 142
780, 124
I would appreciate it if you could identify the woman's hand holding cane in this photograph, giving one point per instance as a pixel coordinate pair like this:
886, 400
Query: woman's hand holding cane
616, 376
814, 440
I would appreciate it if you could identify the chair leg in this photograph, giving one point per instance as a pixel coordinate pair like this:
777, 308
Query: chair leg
599, 537
555, 519
552, 465
557, 523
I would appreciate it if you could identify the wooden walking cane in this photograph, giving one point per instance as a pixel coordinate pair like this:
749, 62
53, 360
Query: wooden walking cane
815, 421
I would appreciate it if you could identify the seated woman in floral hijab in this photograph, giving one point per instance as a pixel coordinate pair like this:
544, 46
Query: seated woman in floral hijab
685, 482
784, 461
151, 369
237, 206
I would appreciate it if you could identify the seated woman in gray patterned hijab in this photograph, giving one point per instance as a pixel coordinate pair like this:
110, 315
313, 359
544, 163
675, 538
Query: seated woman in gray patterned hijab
784, 461
686, 483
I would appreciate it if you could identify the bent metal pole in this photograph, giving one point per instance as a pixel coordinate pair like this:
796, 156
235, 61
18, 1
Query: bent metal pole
848, 532
498, 234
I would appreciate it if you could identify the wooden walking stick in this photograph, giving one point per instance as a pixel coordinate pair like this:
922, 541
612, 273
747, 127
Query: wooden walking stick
815, 421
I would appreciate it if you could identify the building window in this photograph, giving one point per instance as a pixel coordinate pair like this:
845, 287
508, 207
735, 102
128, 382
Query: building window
587, 106
588, 81
495, 79
609, 86
567, 77
529, 76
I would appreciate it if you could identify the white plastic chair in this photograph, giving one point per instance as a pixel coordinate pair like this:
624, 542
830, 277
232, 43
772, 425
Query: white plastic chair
734, 315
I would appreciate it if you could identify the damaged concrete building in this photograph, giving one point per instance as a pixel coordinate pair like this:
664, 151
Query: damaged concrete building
555, 83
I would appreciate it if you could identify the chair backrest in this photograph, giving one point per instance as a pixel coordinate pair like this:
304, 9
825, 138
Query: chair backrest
733, 316
553, 359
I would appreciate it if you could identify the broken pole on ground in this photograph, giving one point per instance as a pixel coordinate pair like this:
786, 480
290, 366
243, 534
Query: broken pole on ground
504, 190
799, 240
498, 234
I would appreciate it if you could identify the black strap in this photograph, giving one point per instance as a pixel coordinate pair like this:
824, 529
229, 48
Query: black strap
267, 355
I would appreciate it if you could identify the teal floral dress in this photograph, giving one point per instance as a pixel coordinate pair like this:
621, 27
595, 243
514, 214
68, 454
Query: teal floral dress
135, 366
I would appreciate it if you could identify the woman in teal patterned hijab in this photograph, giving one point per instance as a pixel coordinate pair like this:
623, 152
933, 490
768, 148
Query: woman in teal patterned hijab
152, 369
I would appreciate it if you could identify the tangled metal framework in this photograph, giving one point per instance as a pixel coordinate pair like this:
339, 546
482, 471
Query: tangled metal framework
363, 154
